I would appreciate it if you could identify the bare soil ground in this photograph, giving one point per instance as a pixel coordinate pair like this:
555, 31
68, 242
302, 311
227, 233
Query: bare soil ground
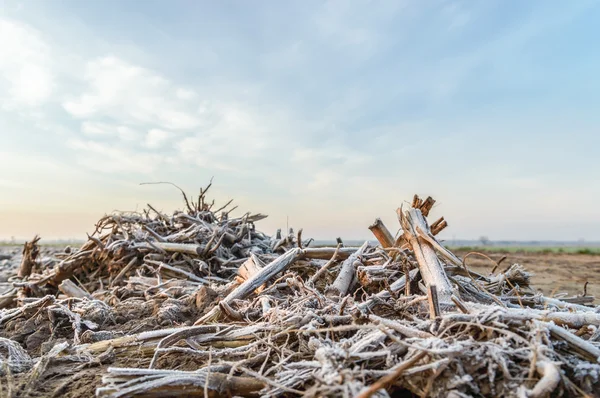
552, 273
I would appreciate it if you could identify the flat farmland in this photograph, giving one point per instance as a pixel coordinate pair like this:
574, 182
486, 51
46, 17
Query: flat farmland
553, 272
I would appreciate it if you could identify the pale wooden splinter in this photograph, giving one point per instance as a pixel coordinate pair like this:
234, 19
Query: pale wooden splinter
382, 234
418, 235
347, 275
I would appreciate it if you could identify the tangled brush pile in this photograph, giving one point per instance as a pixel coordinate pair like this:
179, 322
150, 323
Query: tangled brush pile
198, 303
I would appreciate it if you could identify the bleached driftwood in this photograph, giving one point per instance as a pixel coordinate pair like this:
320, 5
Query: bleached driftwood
194, 250
293, 338
398, 285
246, 288
551, 376
382, 234
432, 270
72, 290
325, 253
324, 268
347, 273
438, 226
249, 268
16, 360
30, 253
144, 337
125, 382
570, 319
579, 345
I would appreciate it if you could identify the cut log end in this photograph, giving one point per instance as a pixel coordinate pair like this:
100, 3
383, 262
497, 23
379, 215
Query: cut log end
30, 252
382, 234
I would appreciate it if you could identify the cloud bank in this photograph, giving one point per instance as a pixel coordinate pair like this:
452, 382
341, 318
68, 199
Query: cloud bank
328, 114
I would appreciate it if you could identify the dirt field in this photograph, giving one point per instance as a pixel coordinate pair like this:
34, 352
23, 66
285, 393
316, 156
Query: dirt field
553, 273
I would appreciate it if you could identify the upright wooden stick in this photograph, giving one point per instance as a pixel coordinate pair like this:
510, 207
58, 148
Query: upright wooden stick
432, 270
382, 234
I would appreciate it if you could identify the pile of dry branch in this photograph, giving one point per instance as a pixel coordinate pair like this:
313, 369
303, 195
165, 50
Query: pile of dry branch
201, 304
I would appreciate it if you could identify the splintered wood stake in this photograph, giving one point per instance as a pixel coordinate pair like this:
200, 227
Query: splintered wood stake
434, 304
427, 205
347, 274
248, 269
382, 234
30, 253
70, 289
325, 253
438, 226
461, 306
432, 270
256, 280
417, 202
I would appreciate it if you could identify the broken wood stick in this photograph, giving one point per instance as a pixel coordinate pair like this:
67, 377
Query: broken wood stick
426, 206
417, 202
151, 337
434, 304
325, 253
246, 288
582, 347
347, 274
438, 226
382, 234
70, 289
432, 270
403, 329
8, 298
396, 286
186, 248
150, 382
327, 265
249, 268
551, 376
30, 253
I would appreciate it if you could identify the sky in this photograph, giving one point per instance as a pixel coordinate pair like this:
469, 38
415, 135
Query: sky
322, 114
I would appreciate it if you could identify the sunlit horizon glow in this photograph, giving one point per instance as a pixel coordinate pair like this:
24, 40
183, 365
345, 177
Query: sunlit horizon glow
326, 114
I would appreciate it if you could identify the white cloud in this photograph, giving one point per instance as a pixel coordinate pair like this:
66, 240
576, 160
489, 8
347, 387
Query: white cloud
185, 94
237, 133
156, 138
213, 134
6, 183
357, 28
341, 23
336, 154
111, 159
130, 94
96, 129
258, 111
25, 71
35, 169
324, 180
288, 58
128, 134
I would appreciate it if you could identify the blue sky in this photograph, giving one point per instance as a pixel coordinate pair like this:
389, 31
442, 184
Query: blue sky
329, 113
